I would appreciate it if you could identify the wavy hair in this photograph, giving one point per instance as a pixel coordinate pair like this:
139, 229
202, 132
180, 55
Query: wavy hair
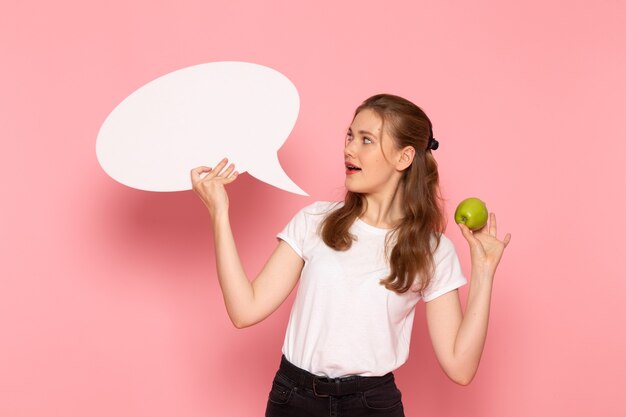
413, 241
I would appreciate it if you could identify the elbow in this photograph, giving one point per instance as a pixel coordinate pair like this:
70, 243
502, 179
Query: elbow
239, 319
463, 380
243, 319
240, 324
243, 322
462, 377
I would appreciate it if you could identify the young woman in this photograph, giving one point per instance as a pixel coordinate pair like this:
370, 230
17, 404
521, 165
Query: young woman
362, 264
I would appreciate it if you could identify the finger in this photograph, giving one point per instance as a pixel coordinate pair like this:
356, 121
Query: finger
493, 227
195, 173
232, 178
466, 232
218, 168
227, 172
471, 238
507, 239
482, 230
233, 173
201, 169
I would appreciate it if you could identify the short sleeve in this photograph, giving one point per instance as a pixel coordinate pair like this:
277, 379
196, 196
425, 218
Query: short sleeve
448, 275
303, 226
295, 231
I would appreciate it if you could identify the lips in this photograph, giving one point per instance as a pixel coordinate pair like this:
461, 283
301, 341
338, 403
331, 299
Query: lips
351, 168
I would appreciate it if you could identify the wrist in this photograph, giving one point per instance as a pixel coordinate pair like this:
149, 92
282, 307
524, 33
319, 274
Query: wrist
482, 275
220, 216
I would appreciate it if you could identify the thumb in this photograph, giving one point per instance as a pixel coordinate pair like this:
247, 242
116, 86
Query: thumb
465, 231
468, 235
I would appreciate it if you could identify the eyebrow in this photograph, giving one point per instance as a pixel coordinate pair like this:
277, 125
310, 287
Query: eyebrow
363, 132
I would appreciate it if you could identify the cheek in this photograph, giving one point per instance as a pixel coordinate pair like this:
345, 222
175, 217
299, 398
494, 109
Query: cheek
371, 154
377, 161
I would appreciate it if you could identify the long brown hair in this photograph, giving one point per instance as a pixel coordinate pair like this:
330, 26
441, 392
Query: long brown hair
418, 234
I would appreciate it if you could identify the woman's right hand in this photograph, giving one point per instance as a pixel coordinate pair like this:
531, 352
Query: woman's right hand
246, 302
210, 188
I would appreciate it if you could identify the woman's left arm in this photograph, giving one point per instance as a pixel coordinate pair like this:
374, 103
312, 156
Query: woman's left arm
458, 339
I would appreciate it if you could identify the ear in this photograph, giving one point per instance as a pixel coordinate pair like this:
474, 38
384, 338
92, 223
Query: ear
406, 158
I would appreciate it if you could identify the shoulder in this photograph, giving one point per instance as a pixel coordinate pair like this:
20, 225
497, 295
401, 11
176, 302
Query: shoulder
314, 213
302, 229
444, 250
445, 244
447, 274
322, 207
317, 211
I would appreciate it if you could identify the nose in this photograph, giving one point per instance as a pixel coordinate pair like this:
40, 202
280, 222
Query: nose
348, 149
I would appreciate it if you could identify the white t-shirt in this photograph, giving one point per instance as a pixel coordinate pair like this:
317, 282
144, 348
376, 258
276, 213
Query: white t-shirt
343, 321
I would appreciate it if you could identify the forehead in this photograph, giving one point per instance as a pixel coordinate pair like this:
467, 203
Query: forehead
367, 120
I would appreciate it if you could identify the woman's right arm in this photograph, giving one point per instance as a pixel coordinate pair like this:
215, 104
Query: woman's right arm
247, 303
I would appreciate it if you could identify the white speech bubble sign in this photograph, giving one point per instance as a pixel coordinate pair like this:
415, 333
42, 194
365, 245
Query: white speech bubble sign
196, 116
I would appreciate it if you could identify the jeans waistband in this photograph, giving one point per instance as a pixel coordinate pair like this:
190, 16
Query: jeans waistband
326, 387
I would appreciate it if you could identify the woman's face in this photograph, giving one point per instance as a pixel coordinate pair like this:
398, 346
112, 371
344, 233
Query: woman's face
369, 154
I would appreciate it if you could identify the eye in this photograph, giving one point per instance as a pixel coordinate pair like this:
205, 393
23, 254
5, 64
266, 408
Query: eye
349, 137
367, 140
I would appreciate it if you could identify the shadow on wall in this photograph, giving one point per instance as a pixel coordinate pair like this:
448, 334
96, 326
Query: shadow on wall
162, 243
173, 230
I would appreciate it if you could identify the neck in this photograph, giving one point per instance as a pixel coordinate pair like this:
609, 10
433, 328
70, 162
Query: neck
384, 210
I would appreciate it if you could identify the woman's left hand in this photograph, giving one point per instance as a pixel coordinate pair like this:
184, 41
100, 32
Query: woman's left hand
485, 248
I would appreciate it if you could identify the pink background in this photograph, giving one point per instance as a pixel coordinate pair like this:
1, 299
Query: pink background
109, 303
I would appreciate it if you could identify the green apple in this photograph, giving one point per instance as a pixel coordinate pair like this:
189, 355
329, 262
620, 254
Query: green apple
472, 212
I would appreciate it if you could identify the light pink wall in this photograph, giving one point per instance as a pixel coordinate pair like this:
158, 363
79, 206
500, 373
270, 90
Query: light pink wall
109, 304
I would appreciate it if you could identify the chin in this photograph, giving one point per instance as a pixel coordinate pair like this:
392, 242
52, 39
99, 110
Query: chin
354, 189
350, 187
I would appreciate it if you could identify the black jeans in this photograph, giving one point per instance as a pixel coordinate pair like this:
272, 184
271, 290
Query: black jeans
297, 393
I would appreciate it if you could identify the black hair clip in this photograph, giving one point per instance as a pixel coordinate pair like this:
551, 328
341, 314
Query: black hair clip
432, 142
